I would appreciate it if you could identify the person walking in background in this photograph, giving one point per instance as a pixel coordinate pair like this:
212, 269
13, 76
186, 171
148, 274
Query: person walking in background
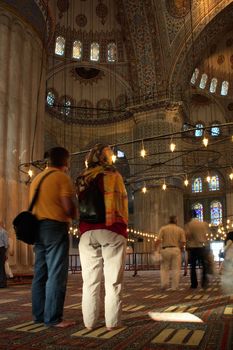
54, 209
227, 265
196, 235
3, 248
172, 240
103, 207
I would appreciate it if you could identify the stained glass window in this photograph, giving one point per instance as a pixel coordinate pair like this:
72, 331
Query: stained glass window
66, 109
214, 183
195, 76
95, 52
213, 85
203, 81
60, 46
199, 130
197, 185
50, 99
198, 207
215, 130
216, 213
77, 49
112, 52
224, 89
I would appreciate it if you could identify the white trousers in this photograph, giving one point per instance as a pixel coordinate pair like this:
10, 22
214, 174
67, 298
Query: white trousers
102, 252
170, 260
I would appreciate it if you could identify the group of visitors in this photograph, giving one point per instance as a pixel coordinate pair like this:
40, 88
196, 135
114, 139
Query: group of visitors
173, 241
103, 217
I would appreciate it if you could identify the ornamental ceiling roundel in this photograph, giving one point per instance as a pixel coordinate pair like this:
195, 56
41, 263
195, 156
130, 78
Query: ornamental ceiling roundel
178, 8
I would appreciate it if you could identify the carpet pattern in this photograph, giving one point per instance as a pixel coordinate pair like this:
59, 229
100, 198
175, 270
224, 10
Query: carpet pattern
141, 295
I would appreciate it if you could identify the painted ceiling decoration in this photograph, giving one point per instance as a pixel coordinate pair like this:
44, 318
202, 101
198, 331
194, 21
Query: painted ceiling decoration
81, 20
178, 8
101, 11
63, 6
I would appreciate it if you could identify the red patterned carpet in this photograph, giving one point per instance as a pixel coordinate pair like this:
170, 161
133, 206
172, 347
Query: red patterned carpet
142, 294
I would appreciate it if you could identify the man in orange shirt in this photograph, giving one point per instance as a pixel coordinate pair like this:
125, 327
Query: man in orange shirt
54, 208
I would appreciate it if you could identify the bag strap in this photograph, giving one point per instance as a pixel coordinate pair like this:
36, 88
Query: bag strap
35, 197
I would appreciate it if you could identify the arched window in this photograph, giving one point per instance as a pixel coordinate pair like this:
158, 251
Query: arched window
198, 207
50, 98
66, 106
214, 183
60, 46
213, 85
199, 130
112, 52
95, 52
194, 76
216, 213
203, 81
77, 50
197, 185
215, 130
224, 89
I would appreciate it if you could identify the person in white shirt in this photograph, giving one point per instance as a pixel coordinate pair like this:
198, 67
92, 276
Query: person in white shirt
172, 240
227, 268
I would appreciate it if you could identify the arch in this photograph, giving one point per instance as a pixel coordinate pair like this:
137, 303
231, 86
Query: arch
216, 212
77, 50
219, 21
60, 46
198, 207
95, 52
197, 185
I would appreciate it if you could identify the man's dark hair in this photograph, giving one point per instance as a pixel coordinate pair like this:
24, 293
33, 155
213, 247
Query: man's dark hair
58, 156
173, 219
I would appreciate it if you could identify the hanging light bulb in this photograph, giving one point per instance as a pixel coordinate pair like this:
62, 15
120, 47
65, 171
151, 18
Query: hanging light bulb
208, 178
172, 146
86, 163
205, 141
30, 172
186, 182
231, 175
164, 186
114, 157
143, 151
144, 189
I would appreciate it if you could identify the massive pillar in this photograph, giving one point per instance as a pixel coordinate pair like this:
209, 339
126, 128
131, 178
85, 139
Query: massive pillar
22, 82
152, 209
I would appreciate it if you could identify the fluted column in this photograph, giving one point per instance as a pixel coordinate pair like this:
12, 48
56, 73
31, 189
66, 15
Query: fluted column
152, 209
20, 70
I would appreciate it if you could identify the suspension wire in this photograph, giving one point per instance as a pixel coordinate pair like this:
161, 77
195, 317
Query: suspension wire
40, 80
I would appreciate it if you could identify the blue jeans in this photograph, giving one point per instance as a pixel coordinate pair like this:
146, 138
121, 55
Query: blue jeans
50, 272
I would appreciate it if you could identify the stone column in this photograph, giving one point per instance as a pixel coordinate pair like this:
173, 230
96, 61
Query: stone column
152, 209
20, 69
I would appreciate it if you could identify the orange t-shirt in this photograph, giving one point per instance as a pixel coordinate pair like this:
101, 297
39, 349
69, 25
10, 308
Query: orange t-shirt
54, 186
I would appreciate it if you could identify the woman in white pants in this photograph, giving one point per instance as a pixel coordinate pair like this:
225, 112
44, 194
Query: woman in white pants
103, 226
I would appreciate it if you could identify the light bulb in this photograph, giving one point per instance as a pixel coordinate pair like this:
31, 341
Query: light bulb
186, 182
205, 141
231, 176
144, 189
114, 157
30, 172
143, 152
86, 163
172, 147
164, 186
208, 178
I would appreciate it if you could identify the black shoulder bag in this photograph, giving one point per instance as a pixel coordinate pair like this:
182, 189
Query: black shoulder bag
25, 223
